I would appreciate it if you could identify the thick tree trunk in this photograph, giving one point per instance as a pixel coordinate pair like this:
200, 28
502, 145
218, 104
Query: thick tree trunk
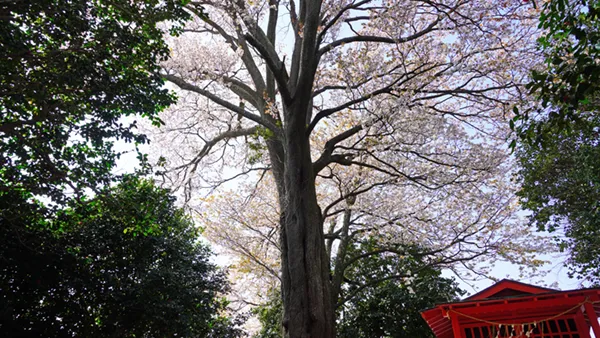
305, 269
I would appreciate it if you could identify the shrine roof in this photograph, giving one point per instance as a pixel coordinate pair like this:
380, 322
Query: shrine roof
507, 301
508, 288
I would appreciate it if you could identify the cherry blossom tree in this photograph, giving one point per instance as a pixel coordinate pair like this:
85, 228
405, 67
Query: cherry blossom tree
348, 121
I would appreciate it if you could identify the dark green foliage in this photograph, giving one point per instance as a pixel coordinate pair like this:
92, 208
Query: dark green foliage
558, 141
125, 264
568, 87
561, 186
391, 310
69, 71
383, 298
270, 316
227, 327
390, 306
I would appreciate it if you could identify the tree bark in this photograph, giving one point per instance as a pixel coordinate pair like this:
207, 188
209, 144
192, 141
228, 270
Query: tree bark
306, 287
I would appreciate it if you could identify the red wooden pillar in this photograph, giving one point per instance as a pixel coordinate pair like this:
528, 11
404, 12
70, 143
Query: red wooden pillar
582, 327
456, 330
591, 314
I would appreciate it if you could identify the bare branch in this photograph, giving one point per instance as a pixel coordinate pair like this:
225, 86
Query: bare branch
382, 39
384, 90
216, 99
210, 144
275, 65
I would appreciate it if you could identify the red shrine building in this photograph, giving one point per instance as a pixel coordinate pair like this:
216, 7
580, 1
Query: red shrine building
518, 310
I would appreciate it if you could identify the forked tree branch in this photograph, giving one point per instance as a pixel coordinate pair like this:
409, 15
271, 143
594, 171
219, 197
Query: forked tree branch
275, 65
332, 22
326, 157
